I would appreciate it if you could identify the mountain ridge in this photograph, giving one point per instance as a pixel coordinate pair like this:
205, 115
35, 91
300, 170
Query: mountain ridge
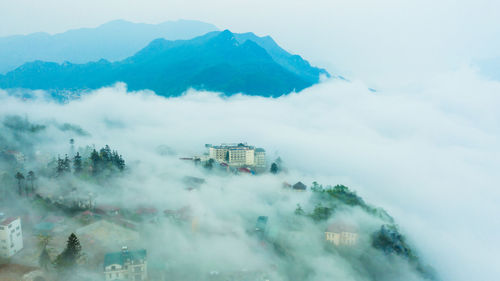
113, 41
217, 61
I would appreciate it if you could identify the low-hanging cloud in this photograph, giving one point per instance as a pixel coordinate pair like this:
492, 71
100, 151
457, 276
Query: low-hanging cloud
428, 156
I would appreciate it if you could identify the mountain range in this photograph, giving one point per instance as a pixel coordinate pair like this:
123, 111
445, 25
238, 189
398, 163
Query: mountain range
115, 40
217, 61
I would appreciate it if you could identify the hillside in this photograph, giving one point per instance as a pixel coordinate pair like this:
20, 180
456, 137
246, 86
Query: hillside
218, 61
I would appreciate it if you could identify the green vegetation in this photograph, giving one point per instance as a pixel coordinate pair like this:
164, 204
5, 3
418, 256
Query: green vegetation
98, 164
68, 258
387, 239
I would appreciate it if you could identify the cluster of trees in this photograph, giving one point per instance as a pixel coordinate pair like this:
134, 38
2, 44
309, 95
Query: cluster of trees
25, 184
328, 199
104, 161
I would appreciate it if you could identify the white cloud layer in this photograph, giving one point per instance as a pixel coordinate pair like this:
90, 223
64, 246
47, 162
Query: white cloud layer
429, 156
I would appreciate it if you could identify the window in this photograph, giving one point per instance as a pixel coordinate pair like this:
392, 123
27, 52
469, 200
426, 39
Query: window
10, 225
1, 227
113, 267
17, 227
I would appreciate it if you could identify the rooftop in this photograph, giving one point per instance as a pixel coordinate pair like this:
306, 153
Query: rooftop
299, 186
8, 220
122, 256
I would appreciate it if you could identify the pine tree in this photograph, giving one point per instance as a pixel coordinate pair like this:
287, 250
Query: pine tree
274, 168
66, 164
120, 163
60, 166
105, 154
68, 258
77, 163
31, 178
20, 177
96, 160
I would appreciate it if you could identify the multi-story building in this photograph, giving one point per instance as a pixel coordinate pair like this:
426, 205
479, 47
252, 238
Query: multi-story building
238, 155
126, 265
260, 158
341, 234
11, 236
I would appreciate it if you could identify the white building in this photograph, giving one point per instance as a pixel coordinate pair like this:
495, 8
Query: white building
341, 234
11, 236
126, 265
238, 155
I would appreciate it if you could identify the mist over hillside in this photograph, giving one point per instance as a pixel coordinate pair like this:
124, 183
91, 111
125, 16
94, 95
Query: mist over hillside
360, 150
268, 141
111, 41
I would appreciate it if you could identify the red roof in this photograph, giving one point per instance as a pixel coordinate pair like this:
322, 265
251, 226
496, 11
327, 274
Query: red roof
245, 170
8, 220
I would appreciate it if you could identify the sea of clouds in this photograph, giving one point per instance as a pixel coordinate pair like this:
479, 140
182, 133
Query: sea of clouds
429, 155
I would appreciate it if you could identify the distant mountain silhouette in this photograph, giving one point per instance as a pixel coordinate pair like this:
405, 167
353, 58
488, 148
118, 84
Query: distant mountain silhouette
115, 40
218, 61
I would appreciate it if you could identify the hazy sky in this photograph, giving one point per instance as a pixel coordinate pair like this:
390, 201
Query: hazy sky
386, 43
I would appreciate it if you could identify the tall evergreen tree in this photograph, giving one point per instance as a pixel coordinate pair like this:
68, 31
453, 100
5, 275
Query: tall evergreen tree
120, 163
77, 163
68, 258
274, 168
67, 164
31, 178
106, 155
19, 177
60, 166
96, 160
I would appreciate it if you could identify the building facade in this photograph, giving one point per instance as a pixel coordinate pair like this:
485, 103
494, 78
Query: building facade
126, 265
11, 236
238, 155
341, 234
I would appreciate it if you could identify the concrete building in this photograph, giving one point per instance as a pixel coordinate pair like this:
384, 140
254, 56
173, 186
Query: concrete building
238, 155
126, 265
260, 158
341, 234
11, 236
